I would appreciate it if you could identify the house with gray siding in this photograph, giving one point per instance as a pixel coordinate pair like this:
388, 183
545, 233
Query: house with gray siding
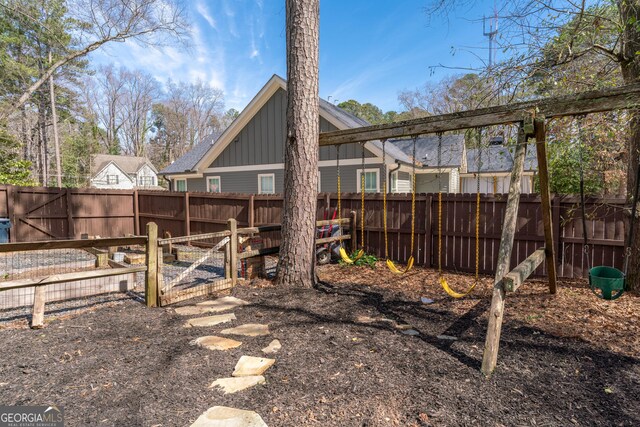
248, 157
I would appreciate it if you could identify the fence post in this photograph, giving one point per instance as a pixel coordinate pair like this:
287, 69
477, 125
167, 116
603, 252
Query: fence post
151, 283
187, 215
251, 214
37, 318
69, 210
136, 213
11, 203
227, 260
160, 279
428, 230
353, 230
233, 250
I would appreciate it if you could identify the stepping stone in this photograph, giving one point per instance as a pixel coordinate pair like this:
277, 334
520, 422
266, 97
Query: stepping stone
223, 416
234, 385
273, 347
248, 366
210, 320
411, 332
223, 304
248, 330
212, 342
190, 310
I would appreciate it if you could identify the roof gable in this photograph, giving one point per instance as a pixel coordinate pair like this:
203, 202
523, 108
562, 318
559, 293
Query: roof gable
127, 164
201, 156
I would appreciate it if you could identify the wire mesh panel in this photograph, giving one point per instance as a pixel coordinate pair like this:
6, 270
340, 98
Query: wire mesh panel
192, 266
68, 278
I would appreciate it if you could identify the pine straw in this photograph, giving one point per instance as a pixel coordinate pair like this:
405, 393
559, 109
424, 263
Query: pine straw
574, 312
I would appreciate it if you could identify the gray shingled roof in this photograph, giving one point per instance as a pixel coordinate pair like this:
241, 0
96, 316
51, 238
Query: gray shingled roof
188, 161
427, 150
128, 164
499, 158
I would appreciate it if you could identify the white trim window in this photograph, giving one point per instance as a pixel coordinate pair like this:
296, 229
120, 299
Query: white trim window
112, 180
214, 184
266, 183
371, 180
147, 181
181, 185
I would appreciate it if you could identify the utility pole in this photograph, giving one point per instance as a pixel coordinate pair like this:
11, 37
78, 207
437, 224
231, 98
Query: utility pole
492, 33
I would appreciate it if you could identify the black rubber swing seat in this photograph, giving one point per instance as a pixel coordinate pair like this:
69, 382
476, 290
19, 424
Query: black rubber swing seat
606, 282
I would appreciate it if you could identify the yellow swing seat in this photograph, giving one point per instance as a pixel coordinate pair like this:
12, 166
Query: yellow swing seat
396, 270
451, 292
347, 259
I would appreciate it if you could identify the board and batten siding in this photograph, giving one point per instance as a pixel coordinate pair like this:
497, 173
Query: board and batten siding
261, 141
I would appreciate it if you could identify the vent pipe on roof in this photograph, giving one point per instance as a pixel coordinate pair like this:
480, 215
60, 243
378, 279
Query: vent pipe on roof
496, 140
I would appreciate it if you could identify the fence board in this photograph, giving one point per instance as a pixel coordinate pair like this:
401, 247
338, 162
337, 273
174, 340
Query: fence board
41, 214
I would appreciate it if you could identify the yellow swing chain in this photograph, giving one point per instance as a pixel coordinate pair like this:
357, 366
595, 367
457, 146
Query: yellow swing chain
439, 204
478, 206
413, 196
362, 184
384, 199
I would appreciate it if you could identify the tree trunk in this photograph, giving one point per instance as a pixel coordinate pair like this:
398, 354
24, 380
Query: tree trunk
54, 121
297, 250
630, 14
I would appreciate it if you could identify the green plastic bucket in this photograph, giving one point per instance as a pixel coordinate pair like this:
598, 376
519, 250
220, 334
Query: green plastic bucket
606, 282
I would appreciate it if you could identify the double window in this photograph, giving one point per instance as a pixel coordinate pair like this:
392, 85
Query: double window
112, 179
213, 184
371, 180
266, 183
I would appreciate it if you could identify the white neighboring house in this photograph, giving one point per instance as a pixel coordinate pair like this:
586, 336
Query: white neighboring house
123, 172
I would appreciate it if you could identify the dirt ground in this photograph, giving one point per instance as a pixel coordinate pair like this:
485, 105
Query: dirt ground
565, 360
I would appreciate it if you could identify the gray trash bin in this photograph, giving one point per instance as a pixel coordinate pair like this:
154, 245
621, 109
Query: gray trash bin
5, 225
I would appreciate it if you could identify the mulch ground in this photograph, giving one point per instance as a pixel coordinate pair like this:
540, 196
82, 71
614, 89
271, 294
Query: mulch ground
564, 360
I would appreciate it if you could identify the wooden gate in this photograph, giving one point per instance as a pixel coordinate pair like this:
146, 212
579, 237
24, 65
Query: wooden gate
39, 214
199, 265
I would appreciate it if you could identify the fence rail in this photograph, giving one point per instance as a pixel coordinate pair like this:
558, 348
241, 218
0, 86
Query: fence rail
51, 214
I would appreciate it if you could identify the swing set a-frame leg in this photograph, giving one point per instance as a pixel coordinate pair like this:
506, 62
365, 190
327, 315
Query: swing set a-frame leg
492, 342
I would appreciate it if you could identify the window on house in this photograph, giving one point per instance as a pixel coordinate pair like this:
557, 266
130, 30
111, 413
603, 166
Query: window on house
213, 184
181, 185
112, 179
266, 183
147, 181
371, 180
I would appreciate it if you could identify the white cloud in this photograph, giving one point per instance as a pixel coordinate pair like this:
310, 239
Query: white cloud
202, 9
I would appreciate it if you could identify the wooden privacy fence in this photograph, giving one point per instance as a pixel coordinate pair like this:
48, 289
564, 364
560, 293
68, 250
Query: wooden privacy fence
49, 213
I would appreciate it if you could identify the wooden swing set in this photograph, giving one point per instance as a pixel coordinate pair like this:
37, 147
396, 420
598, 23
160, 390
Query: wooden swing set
531, 119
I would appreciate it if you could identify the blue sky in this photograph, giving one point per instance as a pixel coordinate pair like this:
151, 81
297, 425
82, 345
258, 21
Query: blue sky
369, 50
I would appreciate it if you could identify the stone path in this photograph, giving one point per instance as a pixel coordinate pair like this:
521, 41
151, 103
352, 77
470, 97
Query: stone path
248, 330
222, 416
248, 370
235, 384
250, 366
210, 320
212, 342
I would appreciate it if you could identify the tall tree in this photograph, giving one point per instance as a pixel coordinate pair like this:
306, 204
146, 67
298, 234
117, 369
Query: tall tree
100, 22
140, 90
297, 251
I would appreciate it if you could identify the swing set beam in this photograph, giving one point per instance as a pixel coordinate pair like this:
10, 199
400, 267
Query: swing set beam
622, 97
